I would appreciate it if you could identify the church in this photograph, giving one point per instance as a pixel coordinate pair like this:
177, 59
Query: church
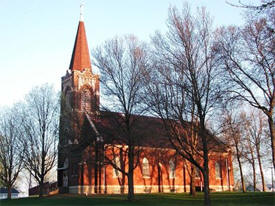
86, 142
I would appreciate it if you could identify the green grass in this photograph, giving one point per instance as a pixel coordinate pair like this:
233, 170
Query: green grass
218, 199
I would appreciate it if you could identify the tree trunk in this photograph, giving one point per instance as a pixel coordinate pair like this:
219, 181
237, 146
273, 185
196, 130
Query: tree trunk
122, 184
260, 166
272, 134
253, 164
131, 173
41, 185
193, 172
207, 201
254, 176
99, 177
241, 171
9, 192
192, 181
184, 178
122, 165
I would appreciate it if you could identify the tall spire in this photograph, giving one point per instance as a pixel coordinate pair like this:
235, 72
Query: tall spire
80, 57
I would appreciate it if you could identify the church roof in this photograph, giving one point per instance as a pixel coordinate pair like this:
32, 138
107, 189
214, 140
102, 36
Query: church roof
80, 56
148, 131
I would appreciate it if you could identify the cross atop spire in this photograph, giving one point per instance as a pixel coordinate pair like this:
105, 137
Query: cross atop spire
81, 10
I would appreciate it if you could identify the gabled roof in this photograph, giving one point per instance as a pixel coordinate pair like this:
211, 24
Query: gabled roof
80, 56
148, 131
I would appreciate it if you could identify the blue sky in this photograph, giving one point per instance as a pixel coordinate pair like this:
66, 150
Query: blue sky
37, 36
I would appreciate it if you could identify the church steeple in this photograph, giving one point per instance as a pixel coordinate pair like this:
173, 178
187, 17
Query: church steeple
80, 58
80, 85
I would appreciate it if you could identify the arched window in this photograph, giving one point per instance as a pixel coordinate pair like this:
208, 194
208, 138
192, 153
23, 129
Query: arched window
66, 163
116, 172
68, 97
145, 168
172, 168
86, 100
65, 172
218, 170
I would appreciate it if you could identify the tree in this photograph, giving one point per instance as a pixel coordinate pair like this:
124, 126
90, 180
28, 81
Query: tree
265, 5
185, 85
234, 135
11, 150
122, 62
247, 58
250, 156
256, 127
40, 117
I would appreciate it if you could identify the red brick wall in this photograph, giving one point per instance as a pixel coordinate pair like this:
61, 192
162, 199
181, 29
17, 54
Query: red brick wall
111, 184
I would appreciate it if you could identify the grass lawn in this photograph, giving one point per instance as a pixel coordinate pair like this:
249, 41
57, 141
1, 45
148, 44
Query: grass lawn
218, 199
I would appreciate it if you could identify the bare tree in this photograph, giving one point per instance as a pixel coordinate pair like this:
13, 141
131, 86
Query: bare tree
1, 169
122, 62
40, 117
248, 148
11, 150
247, 59
256, 127
185, 87
264, 5
249, 155
234, 135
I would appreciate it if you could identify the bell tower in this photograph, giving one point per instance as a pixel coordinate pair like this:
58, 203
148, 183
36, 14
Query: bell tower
80, 99
80, 86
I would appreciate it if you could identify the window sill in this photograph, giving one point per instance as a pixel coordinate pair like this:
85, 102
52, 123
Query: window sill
146, 177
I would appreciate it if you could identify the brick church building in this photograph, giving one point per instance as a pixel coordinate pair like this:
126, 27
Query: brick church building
87, 140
